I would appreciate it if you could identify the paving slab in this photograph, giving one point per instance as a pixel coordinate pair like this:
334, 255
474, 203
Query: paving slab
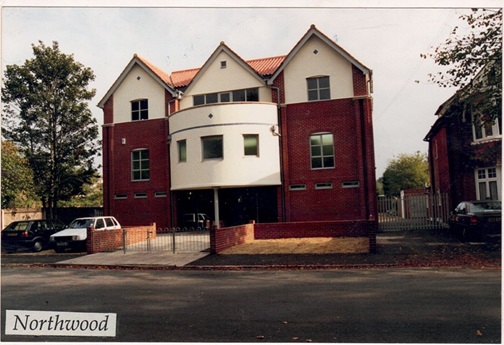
118, 258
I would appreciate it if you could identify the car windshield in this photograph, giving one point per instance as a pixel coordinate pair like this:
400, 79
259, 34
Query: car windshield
485, 206
81, 223
18, 226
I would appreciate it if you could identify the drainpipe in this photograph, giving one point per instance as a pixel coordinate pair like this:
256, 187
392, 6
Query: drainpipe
171, 195
280, 143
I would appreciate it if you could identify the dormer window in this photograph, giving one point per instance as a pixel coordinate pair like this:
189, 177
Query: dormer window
139, 110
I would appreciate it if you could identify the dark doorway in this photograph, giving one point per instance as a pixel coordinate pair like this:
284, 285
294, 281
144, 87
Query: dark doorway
241, 205
194, 202
236, 205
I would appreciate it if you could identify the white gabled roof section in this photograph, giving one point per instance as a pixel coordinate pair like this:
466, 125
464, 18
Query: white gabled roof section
223, 48
152, 70
311, 32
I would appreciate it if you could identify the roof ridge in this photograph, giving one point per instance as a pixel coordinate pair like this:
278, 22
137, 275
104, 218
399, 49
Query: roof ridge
268, 57
186, 70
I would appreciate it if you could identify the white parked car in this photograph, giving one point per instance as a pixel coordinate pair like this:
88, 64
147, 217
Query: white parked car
75, 236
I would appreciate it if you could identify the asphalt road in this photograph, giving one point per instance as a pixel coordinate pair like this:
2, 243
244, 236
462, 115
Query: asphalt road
365, 306
43, 257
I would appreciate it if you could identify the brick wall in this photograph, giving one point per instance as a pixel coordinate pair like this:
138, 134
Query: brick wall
359, 82
224, 238
108, 111
133, 211
221, 239
453, 170
265, 231
112, 240
300, 121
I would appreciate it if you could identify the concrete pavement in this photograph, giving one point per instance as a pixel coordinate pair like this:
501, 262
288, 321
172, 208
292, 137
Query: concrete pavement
154, 258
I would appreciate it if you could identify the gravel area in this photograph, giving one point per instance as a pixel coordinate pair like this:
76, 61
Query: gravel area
409, 248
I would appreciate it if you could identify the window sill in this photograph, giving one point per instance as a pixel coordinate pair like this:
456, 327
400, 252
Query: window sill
486, 140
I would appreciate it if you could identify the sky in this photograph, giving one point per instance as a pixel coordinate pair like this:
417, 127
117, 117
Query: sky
387, 39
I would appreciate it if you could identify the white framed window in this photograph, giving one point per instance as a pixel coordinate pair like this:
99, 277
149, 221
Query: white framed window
318, 88
488, 183
483, 130
225, 97
251, 144
182, 151
120, 196
322, 151
243, 95
139, 110
212, 147
198, 100
140, 195
160, 194
140, 165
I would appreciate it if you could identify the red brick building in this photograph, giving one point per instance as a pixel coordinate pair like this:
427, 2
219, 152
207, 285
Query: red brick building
280, 139
465, 152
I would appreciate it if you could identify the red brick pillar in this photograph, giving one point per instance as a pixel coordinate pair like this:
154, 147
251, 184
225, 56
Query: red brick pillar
213, 239
90, 241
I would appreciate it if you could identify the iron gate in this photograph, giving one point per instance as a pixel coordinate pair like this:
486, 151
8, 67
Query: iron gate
408, 212
175, 240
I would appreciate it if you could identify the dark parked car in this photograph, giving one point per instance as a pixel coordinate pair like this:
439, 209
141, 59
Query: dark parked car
33, 233
477, 220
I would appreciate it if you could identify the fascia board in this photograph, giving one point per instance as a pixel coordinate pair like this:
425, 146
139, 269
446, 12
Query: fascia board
125, 72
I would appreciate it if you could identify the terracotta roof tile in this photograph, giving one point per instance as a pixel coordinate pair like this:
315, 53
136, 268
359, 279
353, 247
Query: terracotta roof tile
264, 66
156, 70
183, 78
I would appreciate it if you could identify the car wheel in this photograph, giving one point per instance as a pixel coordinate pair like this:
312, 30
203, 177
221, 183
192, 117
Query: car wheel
37, 246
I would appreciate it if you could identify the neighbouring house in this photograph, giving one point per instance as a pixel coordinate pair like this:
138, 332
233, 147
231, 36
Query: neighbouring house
464, 150
276, 139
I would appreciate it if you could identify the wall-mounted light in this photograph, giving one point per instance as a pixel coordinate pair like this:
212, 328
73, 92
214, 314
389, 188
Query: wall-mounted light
123, 141
274, 131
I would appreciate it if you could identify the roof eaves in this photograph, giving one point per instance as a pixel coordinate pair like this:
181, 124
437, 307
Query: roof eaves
156, 73
147, 66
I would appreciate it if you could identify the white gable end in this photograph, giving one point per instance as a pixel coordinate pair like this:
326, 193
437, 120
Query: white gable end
138, 84
222, 74
316, 58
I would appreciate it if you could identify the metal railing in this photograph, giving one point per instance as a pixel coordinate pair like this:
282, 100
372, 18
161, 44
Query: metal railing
424, 211
175, 240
